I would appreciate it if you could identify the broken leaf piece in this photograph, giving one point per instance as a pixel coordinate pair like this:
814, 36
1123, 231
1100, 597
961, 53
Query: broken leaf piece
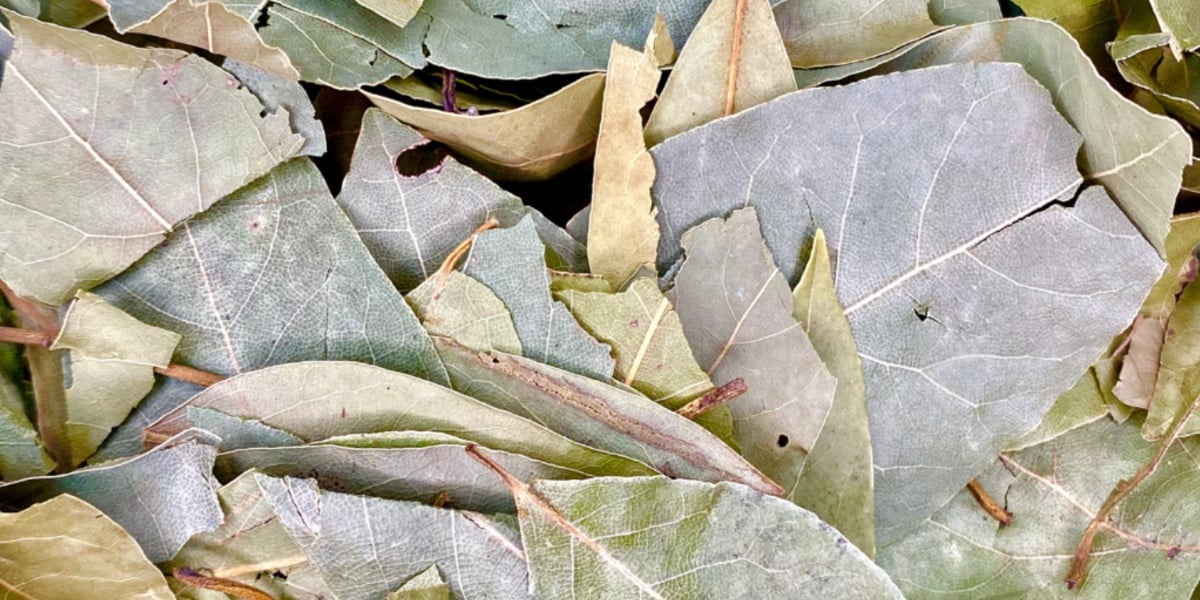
599, 415
723, 69
399, 12
1181, 19
326, 399
23, 455
277, 92
821, 33
65, 548
111, 368
161, 498
74, 91
342, 535
739, 323
622, 233
533, 142
653, 537
466, 311
511, 263
836, 481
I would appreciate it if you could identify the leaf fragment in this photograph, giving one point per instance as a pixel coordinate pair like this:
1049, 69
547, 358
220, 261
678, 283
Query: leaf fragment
821, 33
23, 454
467, 312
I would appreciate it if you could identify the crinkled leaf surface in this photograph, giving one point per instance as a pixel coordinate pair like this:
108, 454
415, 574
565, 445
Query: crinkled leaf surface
661, 538
111, 116
511, 263
820, 33
945, 294
273, 274
22, 455
110, 366
65, 548
411, 223
836, 481
277, 92
712, 79
465, 311
376, 400
366, 547
1053, 490
599, 415
161, 498
396, 466
739, 323
533, 142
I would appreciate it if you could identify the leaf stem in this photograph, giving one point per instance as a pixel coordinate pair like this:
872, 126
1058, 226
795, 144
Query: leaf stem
29, 337
1125, 487
714, 398
734, 56
989, 505
227, 586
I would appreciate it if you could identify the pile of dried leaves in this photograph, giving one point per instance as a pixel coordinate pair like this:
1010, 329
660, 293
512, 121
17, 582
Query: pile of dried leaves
865, 299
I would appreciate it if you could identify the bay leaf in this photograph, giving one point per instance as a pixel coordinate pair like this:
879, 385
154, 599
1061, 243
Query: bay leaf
376, 400
510, 263
964, 12
1181, 19
622, 232
1145, 59
1084, 403
739, 323
820, 33
1053, 490
1093, 23
342, 535
427, 585
110, 366
723, 70
23, 454
653, 537
77, 93
65, 548
399, 12
915, 298
1179, 363
272, 274
467, 312
68, 13
238, 432
161, 498
277, 92
533, 142
836, 481
599, 415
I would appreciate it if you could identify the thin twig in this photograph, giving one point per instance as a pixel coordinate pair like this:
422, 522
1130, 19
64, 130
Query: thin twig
16, 335
989, 505
218, 584
1125, 487
449, 91
190, 374
713, 399
28, 309
734, 56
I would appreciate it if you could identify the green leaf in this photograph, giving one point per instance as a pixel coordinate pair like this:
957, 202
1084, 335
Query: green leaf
74, 91
947, 388
23, 455
308, 400
65, 548
510, 263
1053, 490
836, 481
272, 274
533, 142
600, 415
467, 312
1181, 19
110, 365
819, 33
653, 537
622, 232
1145, 59
367, 547
739, 323
711, 79
161, 498
652, 355
428, 585
1093, 23
1082, 404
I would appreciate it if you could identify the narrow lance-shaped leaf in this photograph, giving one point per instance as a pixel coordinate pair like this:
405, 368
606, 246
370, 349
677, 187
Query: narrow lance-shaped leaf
739, 323
916, 272
76, 93
342, 535
466, 311
65, 548
819, 33
161, 498
308, 400
837, 479
510, 262
734, 60
111, 360
599, 415
622, 232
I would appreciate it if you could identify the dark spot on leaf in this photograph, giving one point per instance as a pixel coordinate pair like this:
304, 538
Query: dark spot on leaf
922, 312
561, 26
633, 323
495, 361
262, 113
423, 157
374, 57
343, 412
166, 81
782, 441
1173, 552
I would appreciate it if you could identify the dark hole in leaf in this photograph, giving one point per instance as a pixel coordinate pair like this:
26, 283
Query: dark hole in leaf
262, 113
922, 313
374, 57
495, 361
264, 16
561, 26
166, 81
782, 441
501, 17
421, 158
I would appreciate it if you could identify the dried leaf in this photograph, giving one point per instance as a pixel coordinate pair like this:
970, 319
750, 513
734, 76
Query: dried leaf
466, 311
739, 323
1181, 19
1084, 403
65, 548
622, 232
1177, 383
110, 361
277, 92
1139, 369
399, 12
820, 33
836, 481
428, 585
23, 455
964, 12
74, 91
734, 60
